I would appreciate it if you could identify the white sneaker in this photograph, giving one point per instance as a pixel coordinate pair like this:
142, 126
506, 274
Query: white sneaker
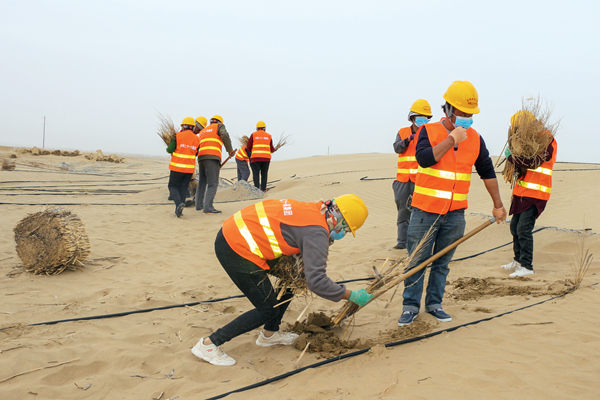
521, 271
284, 338
511, 266
212, 354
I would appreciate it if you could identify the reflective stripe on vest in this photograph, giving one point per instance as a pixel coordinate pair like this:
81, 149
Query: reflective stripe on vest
441, 194
407, 162
210, 141
534, 186
256, 147
264, 221
184, 155
239, 221
205, 146
182, 165
183, 158
545, 171
445, 174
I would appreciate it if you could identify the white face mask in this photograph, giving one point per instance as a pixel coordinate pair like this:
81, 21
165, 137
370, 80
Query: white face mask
420, 121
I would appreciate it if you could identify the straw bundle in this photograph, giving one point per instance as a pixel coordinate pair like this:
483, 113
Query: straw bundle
166, 129
289, 274
193, 185
243, 140
581, 261
529, 135
51, 241
283, 140
8, 165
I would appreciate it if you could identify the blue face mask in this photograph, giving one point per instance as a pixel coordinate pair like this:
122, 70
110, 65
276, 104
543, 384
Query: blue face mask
420, 121
337, 235
464, 122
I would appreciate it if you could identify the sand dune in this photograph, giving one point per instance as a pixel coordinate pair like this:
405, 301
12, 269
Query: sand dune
144, 257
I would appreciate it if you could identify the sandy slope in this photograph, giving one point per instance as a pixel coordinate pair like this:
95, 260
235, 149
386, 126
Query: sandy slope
155, 259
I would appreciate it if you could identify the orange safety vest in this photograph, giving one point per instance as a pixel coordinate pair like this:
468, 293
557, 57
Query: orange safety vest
261, 145
210, 141
537, 183
407, 162
255, 231
444, 186
242, 154
183, 159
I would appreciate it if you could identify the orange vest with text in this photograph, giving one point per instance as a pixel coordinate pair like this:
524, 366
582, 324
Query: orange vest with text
261, 145
407, 163
444, 187
255, 231
210, 141
241, 154
537, 183
183, 159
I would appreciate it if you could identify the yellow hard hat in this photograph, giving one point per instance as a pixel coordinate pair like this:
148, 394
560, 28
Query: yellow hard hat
261, 124
421, 107
201, 121
522, 116
463, 96
218, 117
188, 121
353, 210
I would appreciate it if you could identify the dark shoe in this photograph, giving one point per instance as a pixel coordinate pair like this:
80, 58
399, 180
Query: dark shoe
212, 212
441, 315
179, 210
407, 317
400, 247
190, 203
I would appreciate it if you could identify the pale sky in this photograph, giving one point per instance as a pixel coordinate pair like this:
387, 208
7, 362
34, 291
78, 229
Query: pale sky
332, 74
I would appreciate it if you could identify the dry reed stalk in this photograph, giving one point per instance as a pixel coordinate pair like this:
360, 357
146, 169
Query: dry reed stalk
243, 140
529, 136
283, 140
51, 241
166, 128
302, 354
37, 369
582, 260
289, 274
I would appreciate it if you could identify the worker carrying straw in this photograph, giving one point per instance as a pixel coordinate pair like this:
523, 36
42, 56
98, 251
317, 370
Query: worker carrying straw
532, 186
446, 152
260, 147
183, 150
404, 146
248, 246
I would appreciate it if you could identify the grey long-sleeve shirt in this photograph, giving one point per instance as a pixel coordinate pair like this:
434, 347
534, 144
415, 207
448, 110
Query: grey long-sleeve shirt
400, 145
313, 242
222, 132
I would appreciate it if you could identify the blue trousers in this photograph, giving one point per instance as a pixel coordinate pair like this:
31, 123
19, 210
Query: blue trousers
445, 230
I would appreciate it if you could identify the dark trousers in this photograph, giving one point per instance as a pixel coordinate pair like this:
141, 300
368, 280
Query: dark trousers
243, 172
402, 191
254, 283
179, 183
208, 183
260, 172
521, 228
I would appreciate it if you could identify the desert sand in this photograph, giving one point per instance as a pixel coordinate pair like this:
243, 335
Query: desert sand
142, 257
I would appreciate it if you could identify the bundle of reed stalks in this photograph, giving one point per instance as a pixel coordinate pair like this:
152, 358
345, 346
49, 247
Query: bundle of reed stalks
51, 241
243, 140
529, 135
289, 274
166, 128
283, 140
8, 165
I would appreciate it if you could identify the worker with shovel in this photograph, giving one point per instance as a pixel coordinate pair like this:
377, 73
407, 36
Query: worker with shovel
249, 244
446, 152
212, 139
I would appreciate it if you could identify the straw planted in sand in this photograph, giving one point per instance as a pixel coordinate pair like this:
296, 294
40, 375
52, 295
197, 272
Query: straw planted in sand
51, 241
166, 129
529, 135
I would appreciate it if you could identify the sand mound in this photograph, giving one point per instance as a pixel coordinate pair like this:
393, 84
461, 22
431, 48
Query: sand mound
467, 289
50, 241
239, 191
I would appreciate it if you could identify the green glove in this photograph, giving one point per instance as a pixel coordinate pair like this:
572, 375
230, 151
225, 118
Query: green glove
507, 152
360, 297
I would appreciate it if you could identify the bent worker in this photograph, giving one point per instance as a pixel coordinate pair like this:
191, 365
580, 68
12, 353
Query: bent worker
404, 146
249, 244
241, 161
260, 147
446, 152
530, 196
183, 152
212, 139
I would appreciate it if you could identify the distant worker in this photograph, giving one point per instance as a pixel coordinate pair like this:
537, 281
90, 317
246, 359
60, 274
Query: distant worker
260, 147
404, 146
530, 195
241, 160
200, 124
183, 150
446, 152
249, 244
212, 139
